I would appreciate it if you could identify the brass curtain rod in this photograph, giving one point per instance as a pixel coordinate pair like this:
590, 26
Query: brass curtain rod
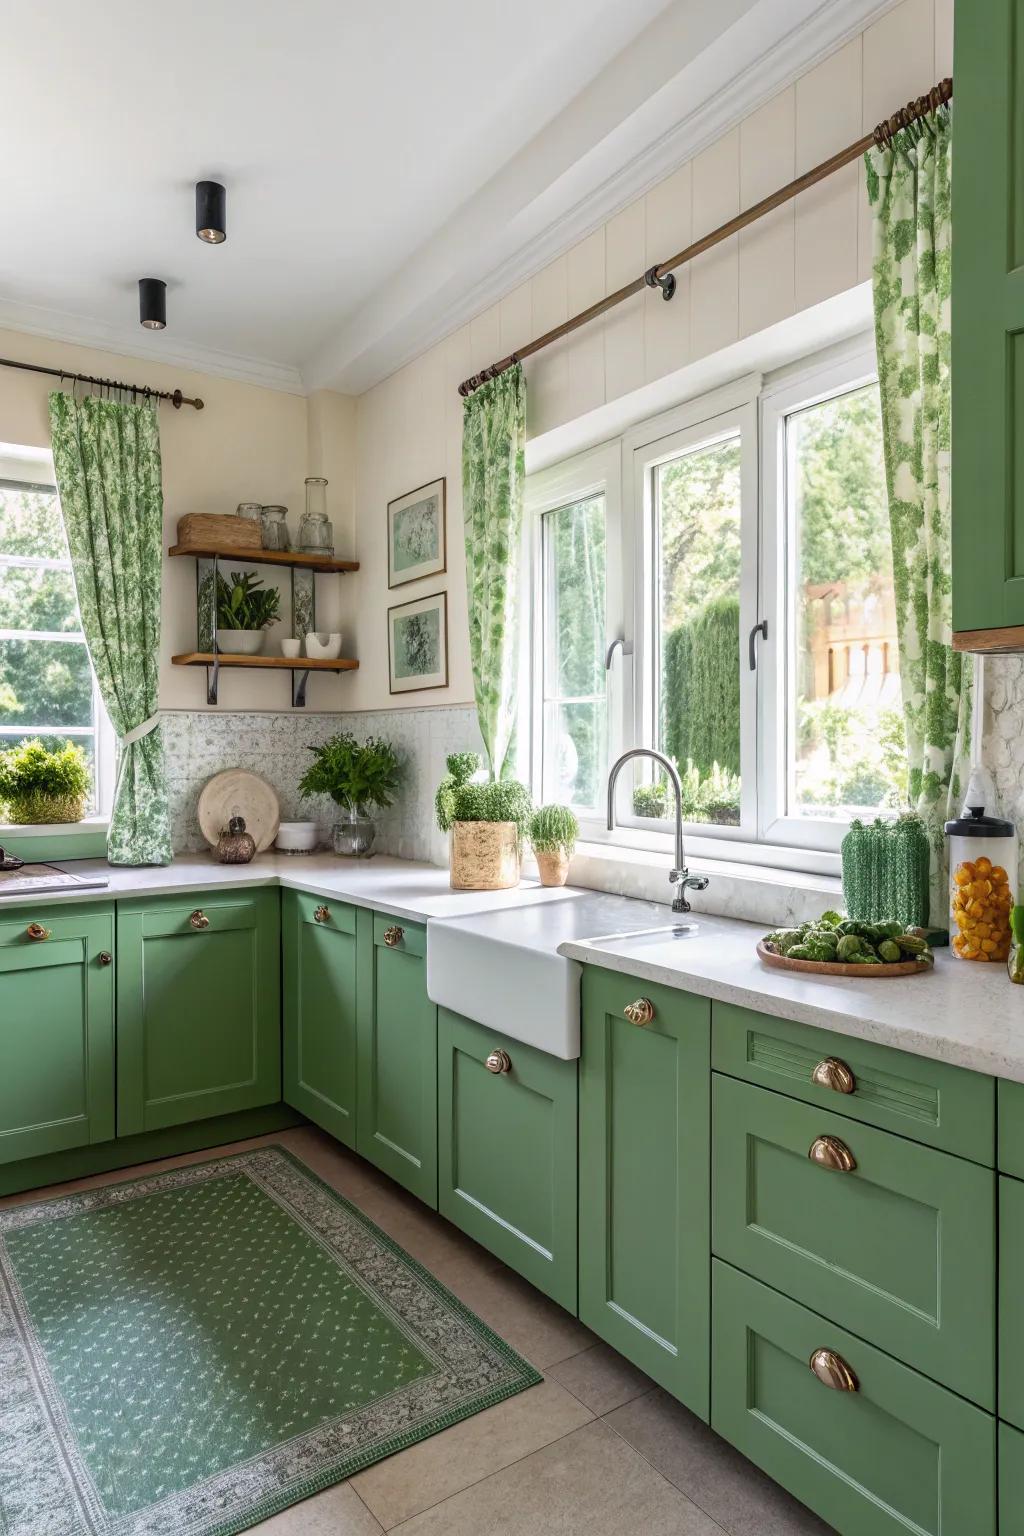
660, 276
175, 396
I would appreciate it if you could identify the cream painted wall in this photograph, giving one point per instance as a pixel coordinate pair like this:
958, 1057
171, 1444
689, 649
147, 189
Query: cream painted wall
408, 428
248, 444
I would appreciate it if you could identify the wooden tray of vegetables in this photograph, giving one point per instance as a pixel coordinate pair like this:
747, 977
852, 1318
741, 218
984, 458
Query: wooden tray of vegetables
837, 946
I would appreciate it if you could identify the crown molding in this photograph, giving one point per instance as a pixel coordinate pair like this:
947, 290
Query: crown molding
78, 330
375, 344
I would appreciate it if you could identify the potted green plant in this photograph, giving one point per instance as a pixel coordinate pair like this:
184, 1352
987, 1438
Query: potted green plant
486, 823
553, 833
245, 608
37, 785
359, 777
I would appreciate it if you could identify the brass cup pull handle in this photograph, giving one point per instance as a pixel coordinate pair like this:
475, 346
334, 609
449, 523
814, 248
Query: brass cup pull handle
499, 1061
832, 1371
641, 1012
835, 1074
830, 1152
393, 936
199, 920
37, 932
321, 914
105, 957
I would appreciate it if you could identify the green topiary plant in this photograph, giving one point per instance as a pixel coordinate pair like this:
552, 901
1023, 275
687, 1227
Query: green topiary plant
355, 775
554, 829
41, 786
458, 799
244, 603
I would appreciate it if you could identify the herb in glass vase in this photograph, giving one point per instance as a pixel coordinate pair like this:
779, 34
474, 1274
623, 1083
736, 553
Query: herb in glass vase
359, 777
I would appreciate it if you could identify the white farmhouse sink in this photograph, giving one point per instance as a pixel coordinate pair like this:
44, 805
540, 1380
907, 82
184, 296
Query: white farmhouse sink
503, 970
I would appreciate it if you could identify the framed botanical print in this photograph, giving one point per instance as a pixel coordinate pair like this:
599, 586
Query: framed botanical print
417, 534
418, 644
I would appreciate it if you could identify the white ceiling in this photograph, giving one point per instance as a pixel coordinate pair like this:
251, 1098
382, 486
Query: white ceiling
383, 161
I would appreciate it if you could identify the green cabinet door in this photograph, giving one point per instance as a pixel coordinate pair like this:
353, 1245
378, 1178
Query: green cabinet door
644, 1179
397, 1051
987, 369
56, 1030
198, 1007
901, 1248
1011, 1294
507, 1151
320, 956
894, 1455
1011, 1481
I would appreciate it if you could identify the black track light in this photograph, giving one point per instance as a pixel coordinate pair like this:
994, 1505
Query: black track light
152, 303
211, 212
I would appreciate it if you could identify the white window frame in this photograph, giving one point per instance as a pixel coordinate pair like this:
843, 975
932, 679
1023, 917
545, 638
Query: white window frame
841, 371
105, 748
596, 472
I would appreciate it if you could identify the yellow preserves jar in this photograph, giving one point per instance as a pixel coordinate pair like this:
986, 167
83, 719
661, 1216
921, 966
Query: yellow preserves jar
983, 867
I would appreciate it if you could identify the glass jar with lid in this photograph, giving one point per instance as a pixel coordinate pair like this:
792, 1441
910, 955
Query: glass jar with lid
316, 536
275, 528
982, 876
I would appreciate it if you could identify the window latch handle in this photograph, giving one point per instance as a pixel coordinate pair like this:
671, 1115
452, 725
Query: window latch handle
758, 629
627, 650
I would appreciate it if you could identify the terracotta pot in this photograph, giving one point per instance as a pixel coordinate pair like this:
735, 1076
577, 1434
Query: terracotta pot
484, 855
553, 867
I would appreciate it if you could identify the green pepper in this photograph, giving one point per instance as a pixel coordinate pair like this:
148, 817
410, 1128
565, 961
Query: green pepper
889, 950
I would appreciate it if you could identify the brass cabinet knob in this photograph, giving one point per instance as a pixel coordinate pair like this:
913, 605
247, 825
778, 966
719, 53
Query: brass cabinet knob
830, 1152
641, 1012
199, 920
105, 957
393, 936
832, 1371
499, 1061
321, 914
835, 1074
37, 932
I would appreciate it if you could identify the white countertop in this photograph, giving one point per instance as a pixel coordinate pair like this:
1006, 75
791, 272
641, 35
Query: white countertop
970, 1015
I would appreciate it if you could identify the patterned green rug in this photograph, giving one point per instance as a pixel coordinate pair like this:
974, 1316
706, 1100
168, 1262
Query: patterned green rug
187, 1354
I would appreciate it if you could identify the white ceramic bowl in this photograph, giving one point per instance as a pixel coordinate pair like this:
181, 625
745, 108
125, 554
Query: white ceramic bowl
240, 642
323, 647
291, 648
297, 837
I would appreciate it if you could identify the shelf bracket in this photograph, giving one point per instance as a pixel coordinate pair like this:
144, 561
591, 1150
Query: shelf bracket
299, 689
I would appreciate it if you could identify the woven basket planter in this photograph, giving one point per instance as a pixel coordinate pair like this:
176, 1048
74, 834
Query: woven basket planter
36, 810
484, 855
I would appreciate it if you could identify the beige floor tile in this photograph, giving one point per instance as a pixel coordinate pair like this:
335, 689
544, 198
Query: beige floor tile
709, 1471
601, 1378
337, 1511
445, 1464
537, 1327
588, 1484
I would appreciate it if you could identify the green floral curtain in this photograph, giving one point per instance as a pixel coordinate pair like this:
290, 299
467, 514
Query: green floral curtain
909, 193
493, 453
107, 459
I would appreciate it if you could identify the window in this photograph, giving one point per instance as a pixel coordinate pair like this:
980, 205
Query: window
760, 505
47, 688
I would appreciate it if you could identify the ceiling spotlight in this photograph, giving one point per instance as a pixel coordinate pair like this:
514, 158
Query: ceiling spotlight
211, 215
152, 303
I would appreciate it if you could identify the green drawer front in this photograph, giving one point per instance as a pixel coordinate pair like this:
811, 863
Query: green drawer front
1011, 1308
945, 1107
334, 916
898, 1455
1011, 1128
901, 1250
507, 1155
396, 933
1011, 1481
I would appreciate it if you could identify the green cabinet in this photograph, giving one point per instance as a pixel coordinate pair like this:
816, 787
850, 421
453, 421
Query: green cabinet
1011, 1481
890, 1454
320, 954
644, 1179
56, 1029
1011, 1294
899, 1248
987, 367
198, 1007
397, 1054
507, 1151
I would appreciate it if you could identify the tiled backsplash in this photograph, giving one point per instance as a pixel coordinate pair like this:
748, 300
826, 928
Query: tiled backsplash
199, 744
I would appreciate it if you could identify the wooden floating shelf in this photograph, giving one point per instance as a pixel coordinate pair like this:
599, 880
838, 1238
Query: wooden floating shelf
323, 564
270, 663
992, 642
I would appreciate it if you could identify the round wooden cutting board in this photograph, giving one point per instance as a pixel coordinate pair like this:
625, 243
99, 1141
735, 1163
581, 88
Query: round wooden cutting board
236, 792
841, 967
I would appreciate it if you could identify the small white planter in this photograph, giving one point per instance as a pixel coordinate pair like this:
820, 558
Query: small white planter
240, 642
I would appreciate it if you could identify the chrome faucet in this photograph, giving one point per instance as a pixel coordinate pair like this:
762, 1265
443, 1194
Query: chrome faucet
679, 875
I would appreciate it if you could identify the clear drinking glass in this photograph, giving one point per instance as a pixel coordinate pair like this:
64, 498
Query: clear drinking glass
316, 536
275, 528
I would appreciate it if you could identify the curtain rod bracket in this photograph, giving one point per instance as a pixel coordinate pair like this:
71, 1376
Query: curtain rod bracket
667, 284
